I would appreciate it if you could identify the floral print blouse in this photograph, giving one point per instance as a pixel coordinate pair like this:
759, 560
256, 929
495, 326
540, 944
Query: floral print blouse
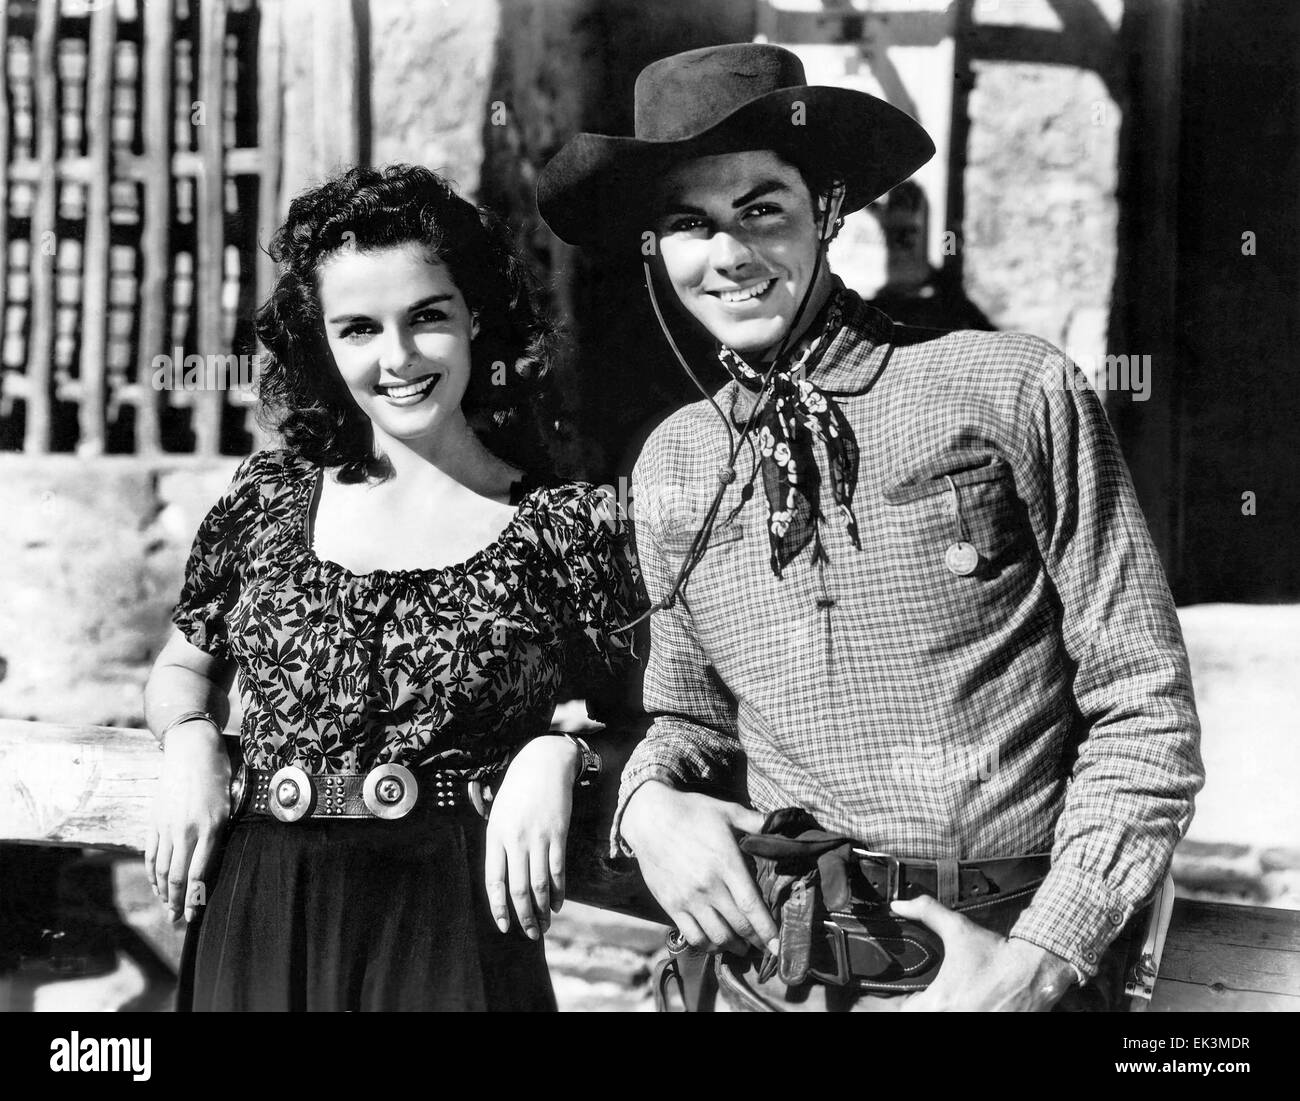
455, 665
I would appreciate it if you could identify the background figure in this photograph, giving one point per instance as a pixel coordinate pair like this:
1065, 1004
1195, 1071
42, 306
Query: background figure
915, 292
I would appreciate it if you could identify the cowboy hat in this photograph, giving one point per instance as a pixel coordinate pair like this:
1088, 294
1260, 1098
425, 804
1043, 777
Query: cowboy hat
725, 99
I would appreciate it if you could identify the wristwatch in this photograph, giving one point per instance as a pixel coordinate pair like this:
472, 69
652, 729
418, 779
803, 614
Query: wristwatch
589, 764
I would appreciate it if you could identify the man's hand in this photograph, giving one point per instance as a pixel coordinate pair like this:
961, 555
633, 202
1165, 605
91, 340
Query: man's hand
981, 970
686, 846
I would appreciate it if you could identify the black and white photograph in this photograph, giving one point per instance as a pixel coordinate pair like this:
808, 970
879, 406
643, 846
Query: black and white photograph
650, 506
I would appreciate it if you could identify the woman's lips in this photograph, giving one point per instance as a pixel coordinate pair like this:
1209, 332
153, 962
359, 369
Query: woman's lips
409, 393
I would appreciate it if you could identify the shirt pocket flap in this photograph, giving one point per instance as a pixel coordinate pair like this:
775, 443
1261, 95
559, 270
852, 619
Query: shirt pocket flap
932, 476
678, 540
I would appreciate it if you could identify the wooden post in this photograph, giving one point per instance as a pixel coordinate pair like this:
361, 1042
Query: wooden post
94, 300
334, 76
40, 347
270, 98
209, 216
963, 80
156, 213
319, 82
7, 154
1151, 431
270, 105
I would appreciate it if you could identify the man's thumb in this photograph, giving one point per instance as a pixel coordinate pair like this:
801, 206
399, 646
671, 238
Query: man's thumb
925, 909
744, 819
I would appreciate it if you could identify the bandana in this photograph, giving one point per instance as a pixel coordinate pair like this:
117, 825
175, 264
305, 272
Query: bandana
795, 413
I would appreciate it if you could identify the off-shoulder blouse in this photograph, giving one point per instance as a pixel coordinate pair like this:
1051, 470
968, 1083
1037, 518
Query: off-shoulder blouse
456, 665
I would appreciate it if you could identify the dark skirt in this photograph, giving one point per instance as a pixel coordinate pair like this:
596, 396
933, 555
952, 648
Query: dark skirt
356, 915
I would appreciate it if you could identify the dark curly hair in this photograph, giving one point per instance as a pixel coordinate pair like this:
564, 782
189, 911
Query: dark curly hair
301, 395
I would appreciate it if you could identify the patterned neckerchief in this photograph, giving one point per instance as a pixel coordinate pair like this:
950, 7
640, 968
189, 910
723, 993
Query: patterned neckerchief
796, 413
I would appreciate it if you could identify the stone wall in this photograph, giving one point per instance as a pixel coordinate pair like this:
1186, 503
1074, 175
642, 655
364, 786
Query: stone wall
91, 556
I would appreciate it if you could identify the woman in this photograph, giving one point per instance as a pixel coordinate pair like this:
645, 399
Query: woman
402, 597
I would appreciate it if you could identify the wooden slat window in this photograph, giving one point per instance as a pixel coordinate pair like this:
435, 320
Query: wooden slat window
141, 183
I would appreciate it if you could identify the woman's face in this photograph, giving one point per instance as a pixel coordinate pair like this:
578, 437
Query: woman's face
400, 334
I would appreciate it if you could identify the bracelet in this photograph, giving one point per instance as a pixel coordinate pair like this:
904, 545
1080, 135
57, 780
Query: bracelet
589, 763
184, 717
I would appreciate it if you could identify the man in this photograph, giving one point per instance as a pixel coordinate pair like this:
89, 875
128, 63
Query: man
920, 601
916, 292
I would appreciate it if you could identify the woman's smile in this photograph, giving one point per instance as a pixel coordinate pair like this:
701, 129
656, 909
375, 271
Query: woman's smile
408, 393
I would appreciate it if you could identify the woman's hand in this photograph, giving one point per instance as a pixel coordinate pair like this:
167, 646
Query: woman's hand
527, 833
190, 809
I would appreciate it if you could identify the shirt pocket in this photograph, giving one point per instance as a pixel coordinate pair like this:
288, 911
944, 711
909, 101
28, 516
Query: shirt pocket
950, 500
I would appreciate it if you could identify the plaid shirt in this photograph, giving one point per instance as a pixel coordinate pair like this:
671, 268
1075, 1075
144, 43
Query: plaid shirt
1041, 703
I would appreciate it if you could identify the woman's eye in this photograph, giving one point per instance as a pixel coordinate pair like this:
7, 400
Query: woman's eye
356, 332
429, 317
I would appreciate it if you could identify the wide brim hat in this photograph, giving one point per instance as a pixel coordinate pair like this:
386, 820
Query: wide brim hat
725, 99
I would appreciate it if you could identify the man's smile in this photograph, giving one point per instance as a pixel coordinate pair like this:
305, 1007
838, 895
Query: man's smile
740, 296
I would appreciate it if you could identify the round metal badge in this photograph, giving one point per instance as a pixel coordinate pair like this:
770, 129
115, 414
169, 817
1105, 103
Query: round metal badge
291, 795
962, 559
390, 791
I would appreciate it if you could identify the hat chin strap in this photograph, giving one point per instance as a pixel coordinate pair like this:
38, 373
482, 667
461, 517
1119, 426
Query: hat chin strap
727, 474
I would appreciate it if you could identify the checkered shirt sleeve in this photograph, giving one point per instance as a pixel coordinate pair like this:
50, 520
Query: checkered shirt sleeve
1130, 796
692, 740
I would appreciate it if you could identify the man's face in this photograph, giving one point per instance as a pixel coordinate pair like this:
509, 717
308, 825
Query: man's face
738, 233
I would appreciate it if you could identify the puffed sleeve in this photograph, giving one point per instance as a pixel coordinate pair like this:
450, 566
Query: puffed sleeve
213, 567
598, 585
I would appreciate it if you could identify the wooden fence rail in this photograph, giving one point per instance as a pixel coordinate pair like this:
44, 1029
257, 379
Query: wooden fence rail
92, 786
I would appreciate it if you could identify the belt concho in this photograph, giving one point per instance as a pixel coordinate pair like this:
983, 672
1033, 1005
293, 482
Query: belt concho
387, 791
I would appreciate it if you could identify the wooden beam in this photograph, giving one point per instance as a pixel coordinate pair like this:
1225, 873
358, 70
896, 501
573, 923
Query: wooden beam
155, 216
40, 345
94, 298
76, 785
270, 98
5, 152
335, 79
1230, 958
209, 218
92, 786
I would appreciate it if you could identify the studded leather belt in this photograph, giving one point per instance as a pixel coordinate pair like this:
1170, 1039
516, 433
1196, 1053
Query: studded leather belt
388, 791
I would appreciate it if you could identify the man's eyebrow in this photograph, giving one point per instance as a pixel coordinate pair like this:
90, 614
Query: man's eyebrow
431, 300
766, 187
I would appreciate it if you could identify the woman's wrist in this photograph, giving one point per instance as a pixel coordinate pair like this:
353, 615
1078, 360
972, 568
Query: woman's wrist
190, 728
588, 765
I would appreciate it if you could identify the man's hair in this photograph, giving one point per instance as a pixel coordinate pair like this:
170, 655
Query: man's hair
301, 394
819, 177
